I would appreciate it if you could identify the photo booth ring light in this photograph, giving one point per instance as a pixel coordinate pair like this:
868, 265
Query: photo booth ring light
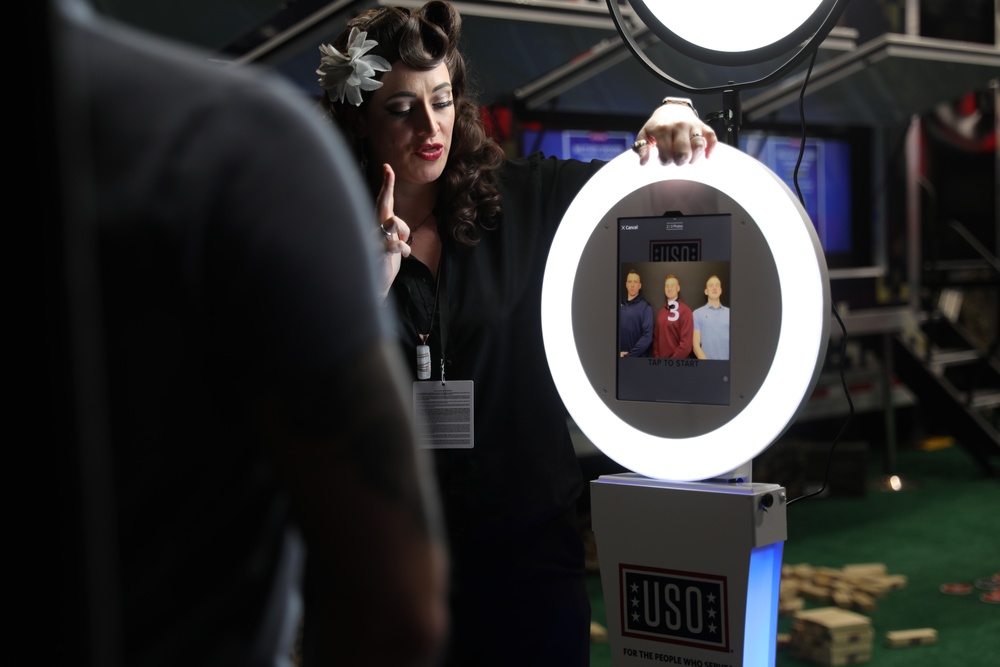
734, 32
802, 334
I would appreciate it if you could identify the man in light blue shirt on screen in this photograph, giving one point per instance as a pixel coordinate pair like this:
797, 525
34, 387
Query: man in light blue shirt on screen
711, 324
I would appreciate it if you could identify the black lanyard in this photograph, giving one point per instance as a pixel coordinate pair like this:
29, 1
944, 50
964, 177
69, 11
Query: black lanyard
443, 314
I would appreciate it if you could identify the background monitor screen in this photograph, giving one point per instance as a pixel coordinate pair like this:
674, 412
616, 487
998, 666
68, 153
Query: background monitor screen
668, 268
584, 145
833, 178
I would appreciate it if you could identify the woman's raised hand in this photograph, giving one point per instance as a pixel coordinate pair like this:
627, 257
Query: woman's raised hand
395, 230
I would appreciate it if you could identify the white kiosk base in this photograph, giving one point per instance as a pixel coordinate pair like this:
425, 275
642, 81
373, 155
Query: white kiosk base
689, 570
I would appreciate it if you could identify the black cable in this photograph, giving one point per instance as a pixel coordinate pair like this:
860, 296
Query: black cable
843, 329
802, 123
850, 409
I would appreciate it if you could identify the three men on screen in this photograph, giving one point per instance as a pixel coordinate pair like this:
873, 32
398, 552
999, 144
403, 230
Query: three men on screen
677, 332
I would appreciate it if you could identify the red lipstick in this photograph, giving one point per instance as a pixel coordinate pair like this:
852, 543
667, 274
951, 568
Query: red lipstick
430, 152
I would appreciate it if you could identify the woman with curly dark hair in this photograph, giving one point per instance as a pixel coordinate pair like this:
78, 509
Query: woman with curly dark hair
467, 233
469, 181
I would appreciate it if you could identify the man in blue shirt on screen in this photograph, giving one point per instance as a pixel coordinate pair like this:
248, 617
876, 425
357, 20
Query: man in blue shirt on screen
635, 320
711, 324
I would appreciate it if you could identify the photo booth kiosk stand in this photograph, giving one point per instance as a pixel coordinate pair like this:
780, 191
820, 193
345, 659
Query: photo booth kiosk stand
689, 571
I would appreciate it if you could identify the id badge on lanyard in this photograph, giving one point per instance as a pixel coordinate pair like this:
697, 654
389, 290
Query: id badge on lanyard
444, 413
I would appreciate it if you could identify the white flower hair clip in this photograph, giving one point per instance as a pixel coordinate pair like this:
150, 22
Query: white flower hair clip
344, 77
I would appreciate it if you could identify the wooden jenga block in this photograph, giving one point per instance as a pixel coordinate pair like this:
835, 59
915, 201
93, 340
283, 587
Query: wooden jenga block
825, 579
843, 598
876, 587
863, 602
832, 617
839, 625
788, 606
789, 588
866, 569
914, 637
852, 579
835, 656
816, 593
803, 571
598, 633
807, 635
826, 576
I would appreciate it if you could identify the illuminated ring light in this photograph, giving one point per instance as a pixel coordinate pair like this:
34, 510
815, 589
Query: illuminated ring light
733, 32
802, 337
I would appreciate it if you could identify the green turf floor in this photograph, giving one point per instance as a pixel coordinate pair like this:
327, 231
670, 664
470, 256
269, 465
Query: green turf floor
943, 527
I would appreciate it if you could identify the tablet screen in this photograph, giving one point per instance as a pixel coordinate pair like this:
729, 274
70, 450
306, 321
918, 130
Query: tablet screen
674, 275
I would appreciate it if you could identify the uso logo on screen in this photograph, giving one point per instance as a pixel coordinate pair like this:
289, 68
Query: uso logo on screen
675, 251
685, 608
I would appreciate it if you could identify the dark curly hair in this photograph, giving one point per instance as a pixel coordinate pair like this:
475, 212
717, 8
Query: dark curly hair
469, 196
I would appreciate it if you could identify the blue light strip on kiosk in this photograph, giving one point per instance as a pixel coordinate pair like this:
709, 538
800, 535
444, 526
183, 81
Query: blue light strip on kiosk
761, 629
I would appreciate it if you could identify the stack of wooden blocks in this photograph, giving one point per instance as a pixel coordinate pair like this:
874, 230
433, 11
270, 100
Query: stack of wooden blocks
832, 636
856, 587
836, 634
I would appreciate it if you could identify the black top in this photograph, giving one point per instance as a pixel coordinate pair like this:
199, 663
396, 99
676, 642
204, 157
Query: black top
523, 468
